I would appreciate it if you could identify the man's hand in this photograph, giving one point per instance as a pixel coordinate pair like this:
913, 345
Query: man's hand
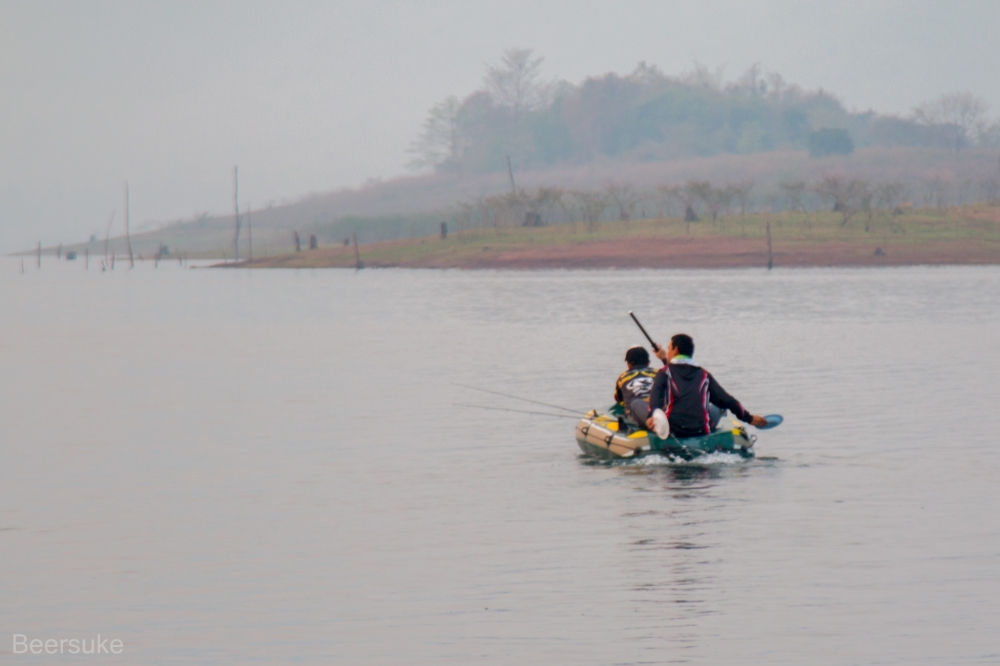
661, 354
649, 423
758, 420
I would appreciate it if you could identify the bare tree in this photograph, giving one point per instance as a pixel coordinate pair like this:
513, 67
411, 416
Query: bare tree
695, 192
793, 192
719, 201
866, 194
939, 191
545, 201
515, 84
889, 195
846, 195
440, 140
623, 197
752, 80
990, 189
742, 192
669, 196
960, 118
702, 77
592, 206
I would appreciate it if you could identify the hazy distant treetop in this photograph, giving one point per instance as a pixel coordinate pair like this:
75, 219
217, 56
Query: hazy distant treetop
960, 118
440, 141
514, 83
647, 115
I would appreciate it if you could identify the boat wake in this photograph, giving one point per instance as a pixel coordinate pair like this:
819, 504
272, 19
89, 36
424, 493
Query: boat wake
655, 459
716, 460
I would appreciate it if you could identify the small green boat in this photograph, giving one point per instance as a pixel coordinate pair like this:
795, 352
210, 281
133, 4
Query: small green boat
601, 435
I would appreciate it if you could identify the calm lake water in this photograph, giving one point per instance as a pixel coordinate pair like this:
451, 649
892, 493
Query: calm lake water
224, 467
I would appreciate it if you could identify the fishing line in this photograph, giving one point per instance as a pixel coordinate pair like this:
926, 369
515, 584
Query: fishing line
521, 411
536, 402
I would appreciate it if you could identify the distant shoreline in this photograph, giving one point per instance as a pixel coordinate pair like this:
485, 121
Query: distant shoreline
698, 254
968, 237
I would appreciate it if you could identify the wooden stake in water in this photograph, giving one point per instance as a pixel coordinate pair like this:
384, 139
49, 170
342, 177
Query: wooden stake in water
358, 264
236, 211
250, 231
770, 254
128, 237
107, 238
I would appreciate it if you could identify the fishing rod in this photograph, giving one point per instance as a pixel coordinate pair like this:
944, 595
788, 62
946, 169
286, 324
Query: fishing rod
577, 412
656, 347
521, 411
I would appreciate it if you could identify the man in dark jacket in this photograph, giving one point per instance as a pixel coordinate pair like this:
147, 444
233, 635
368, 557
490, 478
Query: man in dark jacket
633, 385
686, 393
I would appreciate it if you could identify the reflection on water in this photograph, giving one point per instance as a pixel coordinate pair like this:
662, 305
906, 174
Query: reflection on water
274, 466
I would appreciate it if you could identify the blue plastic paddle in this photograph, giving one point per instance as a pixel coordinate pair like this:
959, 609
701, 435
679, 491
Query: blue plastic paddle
773, 421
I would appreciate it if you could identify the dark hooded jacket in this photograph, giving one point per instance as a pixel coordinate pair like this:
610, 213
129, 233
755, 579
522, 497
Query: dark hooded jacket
683, 391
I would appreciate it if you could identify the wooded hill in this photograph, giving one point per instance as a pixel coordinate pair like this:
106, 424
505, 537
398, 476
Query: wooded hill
640, 146
649, 116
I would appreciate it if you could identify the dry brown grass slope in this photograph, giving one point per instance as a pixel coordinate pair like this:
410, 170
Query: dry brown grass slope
969, 235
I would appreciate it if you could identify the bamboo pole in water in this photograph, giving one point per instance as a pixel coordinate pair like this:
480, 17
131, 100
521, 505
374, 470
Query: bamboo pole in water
107, 238
128, 237
358, 265
236, 213
770, 254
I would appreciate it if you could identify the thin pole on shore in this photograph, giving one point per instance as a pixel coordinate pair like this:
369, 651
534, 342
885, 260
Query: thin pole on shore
236, 211
22, 265
510, 172
770, 253
250, 230
128, 236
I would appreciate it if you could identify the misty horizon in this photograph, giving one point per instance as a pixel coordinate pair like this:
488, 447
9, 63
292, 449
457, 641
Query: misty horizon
168, 97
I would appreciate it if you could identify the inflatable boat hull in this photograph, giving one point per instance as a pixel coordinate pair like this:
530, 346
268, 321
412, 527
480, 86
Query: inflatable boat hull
599, 435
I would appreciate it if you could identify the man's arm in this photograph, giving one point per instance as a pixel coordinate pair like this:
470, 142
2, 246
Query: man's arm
718, 397
658, 394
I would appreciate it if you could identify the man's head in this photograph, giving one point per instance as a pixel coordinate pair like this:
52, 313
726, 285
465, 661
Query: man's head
680, 344
637, 356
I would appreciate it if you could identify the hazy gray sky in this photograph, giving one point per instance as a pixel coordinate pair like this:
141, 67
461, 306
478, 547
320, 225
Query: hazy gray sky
313, 96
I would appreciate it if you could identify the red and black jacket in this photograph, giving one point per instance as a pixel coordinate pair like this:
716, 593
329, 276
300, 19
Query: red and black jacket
683, 391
